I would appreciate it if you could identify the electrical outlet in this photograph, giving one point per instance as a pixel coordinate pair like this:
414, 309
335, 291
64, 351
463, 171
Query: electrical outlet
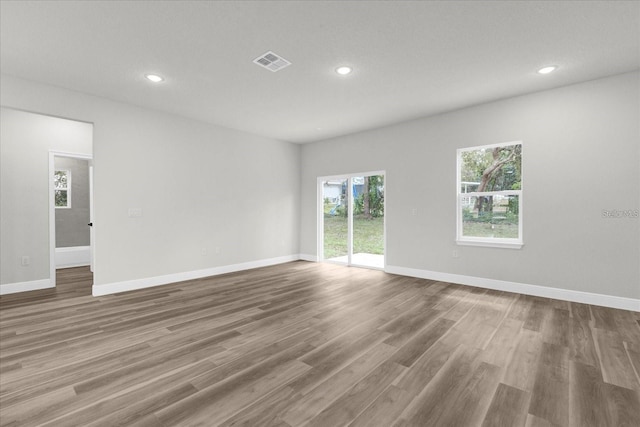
25, 260
455, 254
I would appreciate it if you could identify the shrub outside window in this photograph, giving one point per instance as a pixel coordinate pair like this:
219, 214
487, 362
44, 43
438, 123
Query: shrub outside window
489, 187
62, 188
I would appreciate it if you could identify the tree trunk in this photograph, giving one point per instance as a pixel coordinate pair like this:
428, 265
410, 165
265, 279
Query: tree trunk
366, 199
489, 171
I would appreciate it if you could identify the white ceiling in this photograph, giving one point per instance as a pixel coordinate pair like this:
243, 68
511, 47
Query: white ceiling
410, 59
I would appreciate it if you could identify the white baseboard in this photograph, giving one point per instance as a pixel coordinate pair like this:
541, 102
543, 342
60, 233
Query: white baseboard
307, 257
75, 256
34, 285
500, 285
130, 285
521, 288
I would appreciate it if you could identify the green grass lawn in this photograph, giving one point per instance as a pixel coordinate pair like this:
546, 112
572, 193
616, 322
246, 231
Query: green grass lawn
368, 235
485, 229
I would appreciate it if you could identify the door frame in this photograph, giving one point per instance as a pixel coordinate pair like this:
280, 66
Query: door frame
320, 216
52, 209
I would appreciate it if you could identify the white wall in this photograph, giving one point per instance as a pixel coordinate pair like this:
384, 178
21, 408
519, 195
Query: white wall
581, 155
198, 186
25, 141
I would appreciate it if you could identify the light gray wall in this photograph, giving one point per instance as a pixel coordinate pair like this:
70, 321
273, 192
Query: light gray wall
198, 186
71, 223
581, 147
25, 142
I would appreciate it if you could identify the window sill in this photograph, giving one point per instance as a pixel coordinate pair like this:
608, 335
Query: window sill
491, 244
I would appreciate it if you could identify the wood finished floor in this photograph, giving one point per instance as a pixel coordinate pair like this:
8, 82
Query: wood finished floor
313, 344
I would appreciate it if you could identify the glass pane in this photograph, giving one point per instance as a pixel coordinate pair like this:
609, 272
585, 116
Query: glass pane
60, 179
61, 198
490, 216
491, 169
368, 221
334, 196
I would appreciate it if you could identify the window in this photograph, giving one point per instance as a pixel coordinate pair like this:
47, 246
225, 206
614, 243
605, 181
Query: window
489, 207
62, 188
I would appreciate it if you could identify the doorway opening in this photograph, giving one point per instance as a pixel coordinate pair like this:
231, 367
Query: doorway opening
71, 237
351, 220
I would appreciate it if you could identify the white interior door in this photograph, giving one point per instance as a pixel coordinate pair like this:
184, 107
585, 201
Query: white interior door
91, 231
52, 215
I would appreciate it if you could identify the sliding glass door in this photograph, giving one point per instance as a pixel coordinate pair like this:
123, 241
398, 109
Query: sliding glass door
351, 219
335, 229
368, 221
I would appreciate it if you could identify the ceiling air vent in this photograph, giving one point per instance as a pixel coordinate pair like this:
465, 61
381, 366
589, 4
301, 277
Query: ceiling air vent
272, 62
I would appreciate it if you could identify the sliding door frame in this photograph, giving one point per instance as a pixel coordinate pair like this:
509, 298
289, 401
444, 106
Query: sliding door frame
350, 200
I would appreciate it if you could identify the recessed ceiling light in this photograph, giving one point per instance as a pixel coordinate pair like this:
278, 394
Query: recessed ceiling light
343, 71
154, 78
548, 69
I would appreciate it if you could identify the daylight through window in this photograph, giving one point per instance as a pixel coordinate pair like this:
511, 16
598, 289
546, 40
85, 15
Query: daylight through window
489, 208
62, 188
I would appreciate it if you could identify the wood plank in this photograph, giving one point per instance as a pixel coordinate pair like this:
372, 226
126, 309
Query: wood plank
519, 310
350, 404
475, 398
521, 368
415, 347
587, 403
432, 404
533, 421
502, 345
539, 310
265, 411
614, 362
312, 343
319, 398
508, 407
335, 360
550, 394
626, 326
623, 405
556, 328
408, 324
634, 358
604, 318
420, 374
248, 360
206, 407
580, 312
136, 401
385, 409
37, 410
582, 348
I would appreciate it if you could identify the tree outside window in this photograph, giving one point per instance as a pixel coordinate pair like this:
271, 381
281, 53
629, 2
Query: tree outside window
62, 188
490, 195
